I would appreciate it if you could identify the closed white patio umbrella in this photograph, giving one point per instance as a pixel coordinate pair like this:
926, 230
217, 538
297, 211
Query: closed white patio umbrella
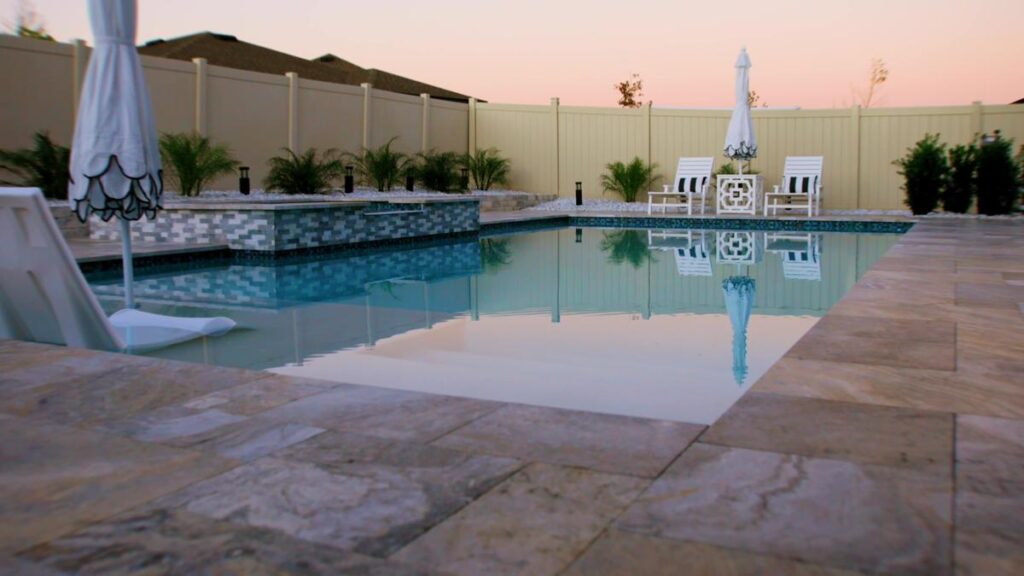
115, 155
740, 141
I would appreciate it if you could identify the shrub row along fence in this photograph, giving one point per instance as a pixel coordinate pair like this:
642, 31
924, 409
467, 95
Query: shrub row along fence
550, 147
254, 114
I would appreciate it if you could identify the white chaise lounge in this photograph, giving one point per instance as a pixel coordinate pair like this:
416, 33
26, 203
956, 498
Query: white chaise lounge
693, 179
44, 297
800, 188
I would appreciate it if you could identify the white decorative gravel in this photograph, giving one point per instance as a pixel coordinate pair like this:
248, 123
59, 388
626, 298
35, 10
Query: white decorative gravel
569, 205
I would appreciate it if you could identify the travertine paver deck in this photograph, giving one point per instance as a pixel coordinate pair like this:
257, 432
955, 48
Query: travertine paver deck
890, 439
88, 250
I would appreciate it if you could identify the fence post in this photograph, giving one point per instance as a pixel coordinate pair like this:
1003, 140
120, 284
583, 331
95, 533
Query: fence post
554, 127
647, 132
855, 151
425, 140
80, 56
367, 98
472, 126
201, 85
293, 111
977, 121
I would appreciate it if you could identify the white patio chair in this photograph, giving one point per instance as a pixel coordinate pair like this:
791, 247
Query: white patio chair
692, 181
44, 297
800, 253
800, 188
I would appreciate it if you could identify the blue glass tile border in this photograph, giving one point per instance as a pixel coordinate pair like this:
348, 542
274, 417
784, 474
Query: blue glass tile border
866, 226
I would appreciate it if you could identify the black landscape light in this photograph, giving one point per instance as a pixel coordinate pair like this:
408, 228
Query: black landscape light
579, 193
579, 235
410, 181
350, 181
243, 180
465, 179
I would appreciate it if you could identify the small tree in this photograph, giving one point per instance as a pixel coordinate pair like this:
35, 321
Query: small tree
631, 92
878, 75
925, 171
998, 177
963, 173
628, 180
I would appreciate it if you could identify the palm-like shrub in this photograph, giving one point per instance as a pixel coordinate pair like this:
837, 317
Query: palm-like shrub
998, 184
963, 176
487, 168
925, 171
438, 171
381, 167
45, 166
191, 161
308, 173
628, 180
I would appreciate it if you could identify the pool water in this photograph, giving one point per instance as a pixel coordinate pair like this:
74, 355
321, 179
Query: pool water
662, 324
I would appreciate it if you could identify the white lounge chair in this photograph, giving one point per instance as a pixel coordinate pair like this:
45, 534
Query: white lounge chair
800, 188
44, 297
800, 253
693, 179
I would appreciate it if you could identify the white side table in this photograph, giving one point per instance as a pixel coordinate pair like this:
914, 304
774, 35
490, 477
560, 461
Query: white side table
739, 193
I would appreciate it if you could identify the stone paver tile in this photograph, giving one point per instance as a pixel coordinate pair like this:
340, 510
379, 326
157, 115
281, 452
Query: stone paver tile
902, 263
888, 329
261, 395
618, 552
27, 365
536, 522
249, 439
842, 430
987, 295
990, 496
127, 389
176, 542
168, 423
368, 507
11, 566
972, 389
836, 346
832, 512
55, 479
992, 341
604, 442
382, 412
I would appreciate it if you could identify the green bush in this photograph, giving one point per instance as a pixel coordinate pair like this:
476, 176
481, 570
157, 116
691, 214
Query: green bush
305, 174
381, 167
45, 166
998, 172
925, 171
439, 171
191, 161
962, 184
487, 168
628, 180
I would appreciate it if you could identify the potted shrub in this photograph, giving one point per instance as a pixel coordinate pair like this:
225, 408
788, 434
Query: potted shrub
925, 171
43, 166
308, 173
963, 175
191, 161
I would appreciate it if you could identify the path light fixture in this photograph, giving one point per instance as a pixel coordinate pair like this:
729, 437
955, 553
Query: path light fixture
579, 235
410, 181
243, 180
579, 193
465, 179
350, 181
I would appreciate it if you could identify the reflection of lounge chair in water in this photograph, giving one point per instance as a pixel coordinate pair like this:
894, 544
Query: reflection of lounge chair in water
689, 248
800, 253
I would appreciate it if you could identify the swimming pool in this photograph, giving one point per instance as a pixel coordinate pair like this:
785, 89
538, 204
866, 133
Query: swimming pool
669, 324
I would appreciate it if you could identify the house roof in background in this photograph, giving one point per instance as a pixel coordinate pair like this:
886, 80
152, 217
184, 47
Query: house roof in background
228, 51
1021, 101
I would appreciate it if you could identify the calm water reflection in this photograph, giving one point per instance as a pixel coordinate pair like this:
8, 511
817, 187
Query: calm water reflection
663, 324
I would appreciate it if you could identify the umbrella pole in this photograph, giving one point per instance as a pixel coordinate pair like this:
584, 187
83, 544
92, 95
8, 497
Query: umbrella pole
126, 263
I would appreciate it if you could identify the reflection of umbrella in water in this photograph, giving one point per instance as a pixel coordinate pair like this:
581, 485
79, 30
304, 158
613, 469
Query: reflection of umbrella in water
739, 292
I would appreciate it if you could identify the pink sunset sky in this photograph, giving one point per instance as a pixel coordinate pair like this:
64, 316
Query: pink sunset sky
808, 53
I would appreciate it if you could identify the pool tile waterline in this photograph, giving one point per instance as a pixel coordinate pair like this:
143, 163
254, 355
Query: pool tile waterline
911, 494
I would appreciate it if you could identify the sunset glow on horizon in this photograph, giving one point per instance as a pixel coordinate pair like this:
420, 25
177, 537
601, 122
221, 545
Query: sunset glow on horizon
805, 53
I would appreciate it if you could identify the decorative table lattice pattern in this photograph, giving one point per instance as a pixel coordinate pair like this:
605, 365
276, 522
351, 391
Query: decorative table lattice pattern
739, 193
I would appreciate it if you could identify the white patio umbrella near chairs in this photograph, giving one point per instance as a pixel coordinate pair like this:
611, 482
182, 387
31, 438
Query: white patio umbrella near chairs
739, 292
115, 154
740, 141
